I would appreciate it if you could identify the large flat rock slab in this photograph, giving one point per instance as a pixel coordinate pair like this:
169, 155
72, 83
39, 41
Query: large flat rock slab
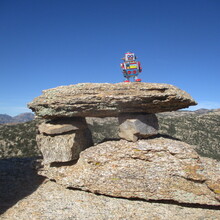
51, 201
157, 169
105, 99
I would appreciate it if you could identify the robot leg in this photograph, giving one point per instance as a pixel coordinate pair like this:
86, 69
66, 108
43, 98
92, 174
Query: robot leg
137, 79
127, 79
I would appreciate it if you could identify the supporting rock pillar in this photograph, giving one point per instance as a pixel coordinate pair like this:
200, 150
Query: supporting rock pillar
134, 126
62, 139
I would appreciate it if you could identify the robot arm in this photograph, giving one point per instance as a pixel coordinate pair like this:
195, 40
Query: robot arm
122, 65
139, 66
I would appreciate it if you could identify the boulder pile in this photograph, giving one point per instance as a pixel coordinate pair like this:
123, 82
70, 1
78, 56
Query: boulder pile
65, 134
140, 165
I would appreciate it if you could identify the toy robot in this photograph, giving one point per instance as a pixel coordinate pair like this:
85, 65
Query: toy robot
131, 67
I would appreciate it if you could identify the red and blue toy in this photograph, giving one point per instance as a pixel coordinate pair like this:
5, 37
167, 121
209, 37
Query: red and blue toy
131, 67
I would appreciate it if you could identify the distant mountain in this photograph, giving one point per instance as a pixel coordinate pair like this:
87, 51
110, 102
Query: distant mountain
5, 119
24, 117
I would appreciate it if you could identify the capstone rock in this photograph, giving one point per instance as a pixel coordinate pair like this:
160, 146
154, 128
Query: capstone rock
106, 99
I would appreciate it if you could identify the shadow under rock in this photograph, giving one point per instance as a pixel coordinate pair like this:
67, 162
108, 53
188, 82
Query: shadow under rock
151, 137
18, 179
164, 136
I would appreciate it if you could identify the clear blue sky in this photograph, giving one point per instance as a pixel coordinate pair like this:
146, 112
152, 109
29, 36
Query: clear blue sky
48, 43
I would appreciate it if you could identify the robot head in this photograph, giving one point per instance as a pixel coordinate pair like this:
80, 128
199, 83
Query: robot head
129, 56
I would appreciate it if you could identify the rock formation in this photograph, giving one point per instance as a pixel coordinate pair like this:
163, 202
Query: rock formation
105, 99
67, 106
139, 166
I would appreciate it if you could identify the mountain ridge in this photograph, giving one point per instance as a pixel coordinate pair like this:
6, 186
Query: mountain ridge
20, 118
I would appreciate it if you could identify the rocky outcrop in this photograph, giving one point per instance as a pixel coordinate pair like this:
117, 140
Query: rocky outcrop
105, 99
156, 169
67, 106
52, 201
142, 167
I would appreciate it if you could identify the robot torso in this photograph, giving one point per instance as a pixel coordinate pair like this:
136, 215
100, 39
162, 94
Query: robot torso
130, 67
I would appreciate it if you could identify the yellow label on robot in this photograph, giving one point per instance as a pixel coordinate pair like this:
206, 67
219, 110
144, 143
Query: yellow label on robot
133, 66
